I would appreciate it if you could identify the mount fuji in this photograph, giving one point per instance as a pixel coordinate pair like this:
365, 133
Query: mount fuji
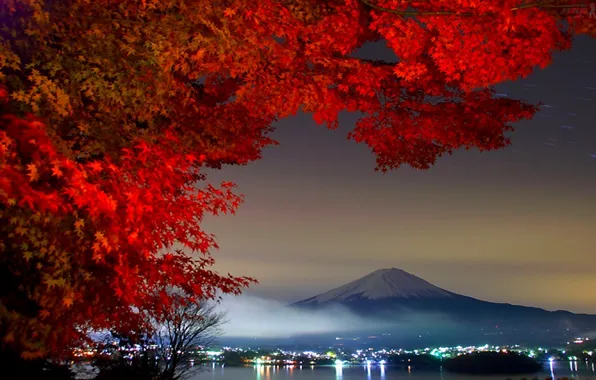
394, 294
379, 285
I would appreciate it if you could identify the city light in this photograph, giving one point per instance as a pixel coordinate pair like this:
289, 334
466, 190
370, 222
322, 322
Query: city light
369, 357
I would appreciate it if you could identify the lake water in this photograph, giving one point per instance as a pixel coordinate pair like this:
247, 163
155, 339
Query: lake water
559, 370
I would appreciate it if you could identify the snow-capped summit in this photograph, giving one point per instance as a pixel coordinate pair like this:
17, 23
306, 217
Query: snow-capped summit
381, 284
403, 303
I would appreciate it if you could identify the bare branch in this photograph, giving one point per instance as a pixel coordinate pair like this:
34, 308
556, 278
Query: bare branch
186, 326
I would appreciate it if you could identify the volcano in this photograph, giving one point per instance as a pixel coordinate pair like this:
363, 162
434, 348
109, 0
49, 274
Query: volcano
382, 284
392, 294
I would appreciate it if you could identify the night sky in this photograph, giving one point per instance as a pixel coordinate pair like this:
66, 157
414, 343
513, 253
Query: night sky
516, 225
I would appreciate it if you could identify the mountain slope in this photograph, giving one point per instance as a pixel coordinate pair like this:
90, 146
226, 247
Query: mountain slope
393, 293
381, 284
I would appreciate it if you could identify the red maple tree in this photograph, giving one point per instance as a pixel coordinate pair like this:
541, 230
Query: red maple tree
112, 109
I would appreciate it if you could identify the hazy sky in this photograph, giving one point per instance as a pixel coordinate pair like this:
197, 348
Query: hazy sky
517, 225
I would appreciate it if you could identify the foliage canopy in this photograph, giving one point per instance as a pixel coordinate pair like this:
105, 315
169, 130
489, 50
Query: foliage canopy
111, 110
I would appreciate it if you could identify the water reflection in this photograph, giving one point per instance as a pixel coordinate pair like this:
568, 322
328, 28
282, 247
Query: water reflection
373, 371
338, 369
263, 371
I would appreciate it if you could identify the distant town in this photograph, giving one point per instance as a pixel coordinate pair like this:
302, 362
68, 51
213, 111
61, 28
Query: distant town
581, 349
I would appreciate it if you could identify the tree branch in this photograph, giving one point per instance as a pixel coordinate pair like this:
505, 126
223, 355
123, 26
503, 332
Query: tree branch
542, 5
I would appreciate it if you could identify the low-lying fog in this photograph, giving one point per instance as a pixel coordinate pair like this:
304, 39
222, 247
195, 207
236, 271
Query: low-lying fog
253, 317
